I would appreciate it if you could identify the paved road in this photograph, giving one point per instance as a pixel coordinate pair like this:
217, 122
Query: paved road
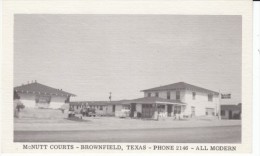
223, 134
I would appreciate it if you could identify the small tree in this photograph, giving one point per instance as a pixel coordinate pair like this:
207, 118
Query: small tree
16, 96
67, 100
19, 104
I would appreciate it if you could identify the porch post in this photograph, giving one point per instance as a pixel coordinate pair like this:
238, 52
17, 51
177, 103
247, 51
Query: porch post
166, 110
156, 115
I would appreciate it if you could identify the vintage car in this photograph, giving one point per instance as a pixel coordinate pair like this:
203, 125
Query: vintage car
123, 113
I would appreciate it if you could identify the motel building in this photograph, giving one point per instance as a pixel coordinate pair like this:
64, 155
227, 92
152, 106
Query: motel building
36, 95
181, 100
102, 108
178, 100
231, 112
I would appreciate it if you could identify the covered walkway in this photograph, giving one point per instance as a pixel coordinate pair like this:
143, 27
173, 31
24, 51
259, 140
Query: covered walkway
155, 107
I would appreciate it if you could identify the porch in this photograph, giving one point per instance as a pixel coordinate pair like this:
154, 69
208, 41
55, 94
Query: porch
155, 108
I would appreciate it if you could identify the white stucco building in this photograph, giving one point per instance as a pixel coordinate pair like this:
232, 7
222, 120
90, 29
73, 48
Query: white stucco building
176, 99
102, 108
36, 95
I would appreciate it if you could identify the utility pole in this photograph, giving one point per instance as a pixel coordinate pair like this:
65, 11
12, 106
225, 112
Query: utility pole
110, 96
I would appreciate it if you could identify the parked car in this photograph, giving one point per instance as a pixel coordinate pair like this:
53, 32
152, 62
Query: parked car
123, 113
91, 112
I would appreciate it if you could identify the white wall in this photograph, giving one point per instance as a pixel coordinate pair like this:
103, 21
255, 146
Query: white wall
55, 105
61, 99
24, 96
28, 103
163, 94
110, 110
119, 107
29, 100
139, 108
57, 101
200, 103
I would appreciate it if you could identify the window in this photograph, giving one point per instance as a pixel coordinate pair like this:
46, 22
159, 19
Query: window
178, 95
193, 95
168, 95
177, 110
126, 107
193, 111
100, 107
161, 108
149, 94
156, 94
223, 112
210, 97
210, 111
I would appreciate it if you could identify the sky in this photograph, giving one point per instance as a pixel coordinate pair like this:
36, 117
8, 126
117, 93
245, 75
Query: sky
92, 55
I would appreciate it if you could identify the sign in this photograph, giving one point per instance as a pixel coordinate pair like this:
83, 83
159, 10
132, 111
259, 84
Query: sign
225, 96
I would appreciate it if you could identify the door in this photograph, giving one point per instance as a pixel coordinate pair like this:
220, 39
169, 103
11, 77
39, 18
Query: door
210, 111
132, 109
147, 110
230, 114
43, 101
169, 110
193, 111
177, 110
114, 108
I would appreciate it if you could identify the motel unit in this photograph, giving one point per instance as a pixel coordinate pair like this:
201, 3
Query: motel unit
231, 112
36, 95
102, 108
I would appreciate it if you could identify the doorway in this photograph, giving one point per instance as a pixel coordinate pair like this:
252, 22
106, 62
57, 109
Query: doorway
114, 108
169, 110
147, 110
193, 113
230, 114
132, 109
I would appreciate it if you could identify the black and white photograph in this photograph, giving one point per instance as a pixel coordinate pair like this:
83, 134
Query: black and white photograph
127, 78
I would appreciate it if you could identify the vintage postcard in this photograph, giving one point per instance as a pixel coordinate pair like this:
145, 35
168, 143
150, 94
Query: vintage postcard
127, 76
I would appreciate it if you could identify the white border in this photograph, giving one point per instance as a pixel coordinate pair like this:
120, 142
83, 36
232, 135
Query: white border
187, 7
256, 78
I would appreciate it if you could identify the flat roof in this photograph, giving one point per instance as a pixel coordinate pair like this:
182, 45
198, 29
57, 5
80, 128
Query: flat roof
230, 107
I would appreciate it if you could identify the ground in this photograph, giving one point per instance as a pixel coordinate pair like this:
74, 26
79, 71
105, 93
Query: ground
224, 134
112, 129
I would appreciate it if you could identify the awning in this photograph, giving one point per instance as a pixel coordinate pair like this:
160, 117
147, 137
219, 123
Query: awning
154, 100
